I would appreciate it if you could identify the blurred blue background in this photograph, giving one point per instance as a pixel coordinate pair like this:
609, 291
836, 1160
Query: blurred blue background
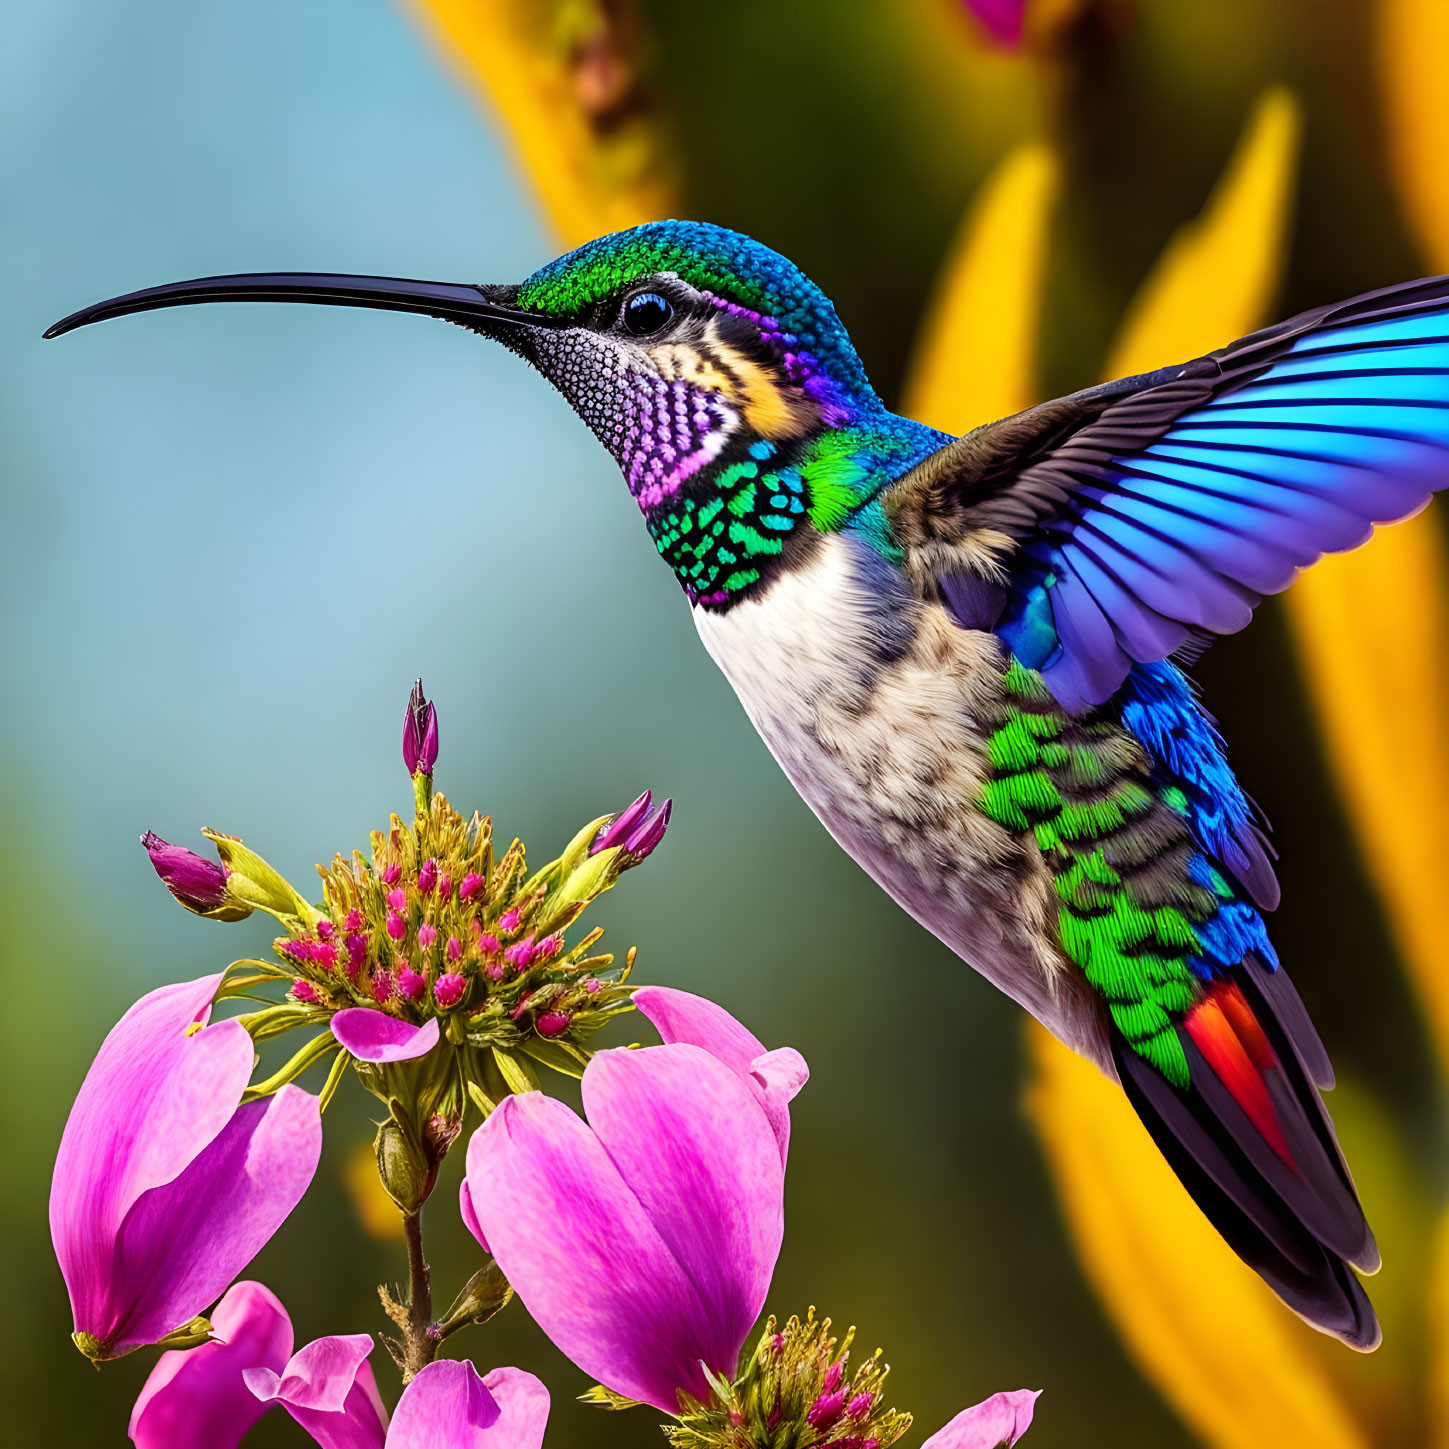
234, 535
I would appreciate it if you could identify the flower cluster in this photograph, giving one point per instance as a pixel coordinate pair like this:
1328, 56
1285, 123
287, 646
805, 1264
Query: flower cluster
642, 1236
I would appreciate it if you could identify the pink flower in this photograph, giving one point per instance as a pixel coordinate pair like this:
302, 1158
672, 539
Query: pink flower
374, 1036
448, 1404
997, 1423
328, 1388
197, 1399
165, 1189
665, 1211
775, 1077
210, 1397
420, 733
1002, 20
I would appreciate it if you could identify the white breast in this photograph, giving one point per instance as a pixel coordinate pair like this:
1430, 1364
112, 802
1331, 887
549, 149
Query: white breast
876, 705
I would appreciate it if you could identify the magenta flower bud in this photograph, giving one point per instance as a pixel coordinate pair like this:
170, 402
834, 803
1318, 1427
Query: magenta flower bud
353, 921
521, 954
553, 1023
826, 1409
397, 900
427, 934
445, 886
297, 950
448, 990
860, 1406
391, 873
427, 876
304, 992
496, 973
397, 928
409, 984
196, 883
324, 953
383, 988
618, 829
489, 943
547, 947
593, 986
454, 949
420, 733
325, 928
509, 920
472, 884
643, 840
833, 1376
356, 954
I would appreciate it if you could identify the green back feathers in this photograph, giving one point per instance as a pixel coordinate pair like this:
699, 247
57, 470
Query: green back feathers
1119, 854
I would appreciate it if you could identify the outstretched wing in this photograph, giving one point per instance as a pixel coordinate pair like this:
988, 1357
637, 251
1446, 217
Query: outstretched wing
1159, 510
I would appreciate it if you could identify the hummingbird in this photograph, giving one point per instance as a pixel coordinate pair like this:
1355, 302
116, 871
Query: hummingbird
967, 653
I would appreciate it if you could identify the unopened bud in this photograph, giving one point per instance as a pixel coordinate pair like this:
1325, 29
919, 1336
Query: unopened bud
196, 883
401, 1164
420, 733
485, 1294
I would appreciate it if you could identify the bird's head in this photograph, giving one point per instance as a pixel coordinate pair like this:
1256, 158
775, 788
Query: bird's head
698, 357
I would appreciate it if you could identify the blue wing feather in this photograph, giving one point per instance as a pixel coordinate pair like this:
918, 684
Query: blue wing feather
1347, 427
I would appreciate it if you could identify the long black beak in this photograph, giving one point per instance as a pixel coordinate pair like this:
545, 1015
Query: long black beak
482, 308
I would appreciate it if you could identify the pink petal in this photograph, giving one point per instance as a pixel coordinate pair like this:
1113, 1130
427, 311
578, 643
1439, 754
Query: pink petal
181, 1244
153, 1098
447, 1406
196, 1399
682, 1017
688, 1137
329, 1389
996, 1423
470, 1218
1003, 20
601, 1282
666, 1224
374, 1036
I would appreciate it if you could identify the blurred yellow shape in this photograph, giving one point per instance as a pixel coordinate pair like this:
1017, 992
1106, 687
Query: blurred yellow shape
1372, 628
1413, 57
563, 78
976, 356
1438, 1351
376, 1211
1237, 1367
1217, 276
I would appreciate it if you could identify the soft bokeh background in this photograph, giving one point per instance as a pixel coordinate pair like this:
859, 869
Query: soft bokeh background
234, 535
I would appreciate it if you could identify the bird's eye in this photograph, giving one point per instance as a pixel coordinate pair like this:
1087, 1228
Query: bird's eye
646, 312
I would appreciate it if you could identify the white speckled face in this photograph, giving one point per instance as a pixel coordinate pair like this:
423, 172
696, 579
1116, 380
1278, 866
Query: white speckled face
659, 417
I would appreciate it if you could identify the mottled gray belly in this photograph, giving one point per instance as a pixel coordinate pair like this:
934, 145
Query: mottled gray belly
873, 704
